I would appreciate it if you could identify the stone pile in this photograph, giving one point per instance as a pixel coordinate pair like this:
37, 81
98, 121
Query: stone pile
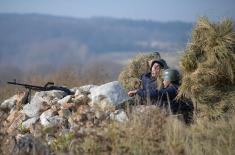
90, 107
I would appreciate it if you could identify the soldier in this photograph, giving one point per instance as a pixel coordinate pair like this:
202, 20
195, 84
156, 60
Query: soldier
166, 97
149, 81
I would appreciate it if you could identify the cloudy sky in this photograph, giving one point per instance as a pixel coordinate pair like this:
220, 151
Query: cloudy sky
159, 10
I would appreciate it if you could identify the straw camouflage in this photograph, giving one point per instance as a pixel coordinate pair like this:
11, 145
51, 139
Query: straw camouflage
208, 66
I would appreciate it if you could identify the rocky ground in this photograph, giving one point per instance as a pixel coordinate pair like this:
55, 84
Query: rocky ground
34, 127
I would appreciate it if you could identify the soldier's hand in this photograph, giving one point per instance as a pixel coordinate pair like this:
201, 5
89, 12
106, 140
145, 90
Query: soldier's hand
132, 93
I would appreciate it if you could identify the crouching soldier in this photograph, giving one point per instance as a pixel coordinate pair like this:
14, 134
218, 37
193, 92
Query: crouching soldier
166, 97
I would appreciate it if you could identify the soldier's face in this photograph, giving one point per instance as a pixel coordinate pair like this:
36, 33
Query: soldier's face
166, 83
155, 70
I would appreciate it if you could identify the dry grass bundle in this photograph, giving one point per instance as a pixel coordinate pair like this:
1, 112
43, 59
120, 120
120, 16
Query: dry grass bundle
208, 65
139, 65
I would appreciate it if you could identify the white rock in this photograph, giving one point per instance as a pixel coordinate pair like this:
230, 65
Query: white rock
82, 89
45, 116
9, 103
64, 113
26, 124
119, 115
112, 93
77, 92
87, 88
49, 118
51, 95
80, 99
64, 100
32, 109
55, 121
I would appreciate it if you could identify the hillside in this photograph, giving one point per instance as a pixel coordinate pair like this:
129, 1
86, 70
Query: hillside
43, 39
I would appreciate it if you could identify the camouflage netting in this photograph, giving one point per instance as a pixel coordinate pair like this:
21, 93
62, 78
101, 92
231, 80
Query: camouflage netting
139, 65
208, 66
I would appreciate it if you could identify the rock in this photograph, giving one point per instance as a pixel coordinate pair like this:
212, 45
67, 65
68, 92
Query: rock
80, 99
83, 109
22, 98
27, 144
64, 113
55, 107
26, 124
112, 94
119, 115
77, 92
69, 106
16, 122
16, 100
74, 89
35, 106
87, 88
55, 121
50, 118
45, 106
80, 118
64, 100
9, 103
45, 117
83, 89
12, 116
40, 99
104, 104
51, 95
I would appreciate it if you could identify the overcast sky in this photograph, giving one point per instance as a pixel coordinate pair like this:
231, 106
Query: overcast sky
158, 10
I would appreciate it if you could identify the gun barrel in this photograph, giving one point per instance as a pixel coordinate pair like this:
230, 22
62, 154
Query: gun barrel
11, 82
37, 88
47, 87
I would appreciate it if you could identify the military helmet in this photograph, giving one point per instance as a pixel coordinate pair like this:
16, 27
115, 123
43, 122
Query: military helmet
171, 75
161, 62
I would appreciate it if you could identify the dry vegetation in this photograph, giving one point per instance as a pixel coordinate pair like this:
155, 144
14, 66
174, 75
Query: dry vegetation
208, 66
208, 77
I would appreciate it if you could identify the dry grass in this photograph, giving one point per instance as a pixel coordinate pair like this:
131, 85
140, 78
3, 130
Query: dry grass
153, 133
203, 137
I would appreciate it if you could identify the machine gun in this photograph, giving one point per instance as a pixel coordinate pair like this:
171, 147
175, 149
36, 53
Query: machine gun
47, 87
